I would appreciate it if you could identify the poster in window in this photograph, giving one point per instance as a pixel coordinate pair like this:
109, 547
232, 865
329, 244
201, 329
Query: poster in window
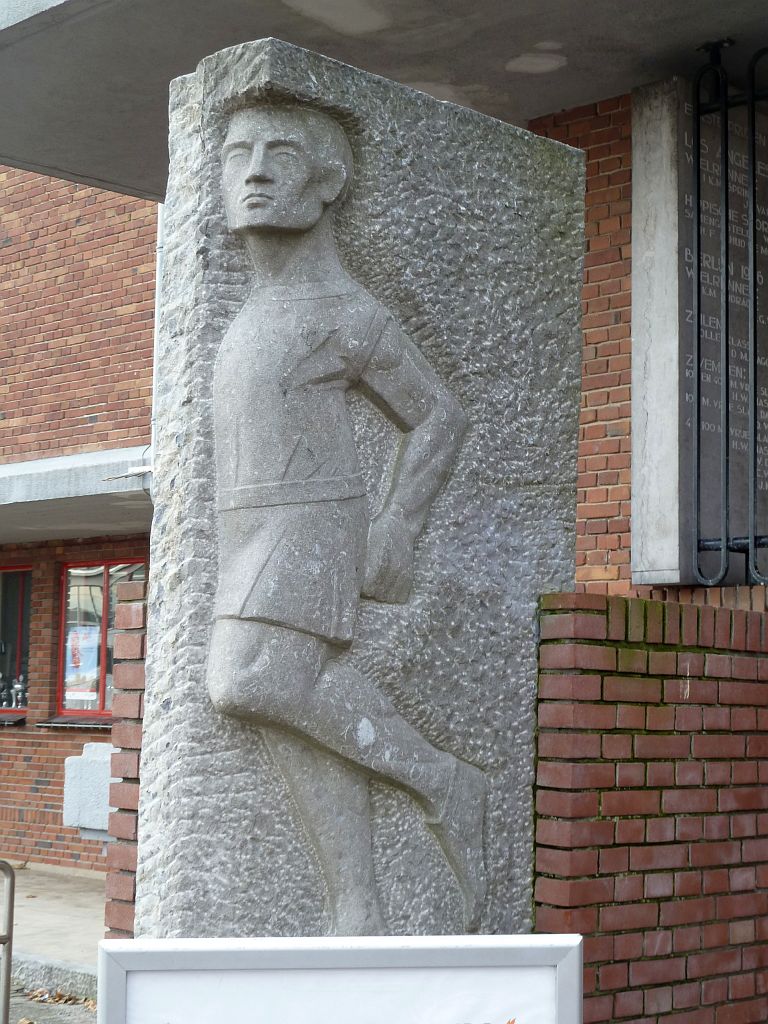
81, 666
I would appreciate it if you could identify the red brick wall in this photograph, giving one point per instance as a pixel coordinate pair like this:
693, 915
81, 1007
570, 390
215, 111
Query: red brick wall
603, 131
652, 831
31, 797
32, 755
128, 711
76, 309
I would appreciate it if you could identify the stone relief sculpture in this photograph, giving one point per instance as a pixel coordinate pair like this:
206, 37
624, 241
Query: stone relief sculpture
296, 548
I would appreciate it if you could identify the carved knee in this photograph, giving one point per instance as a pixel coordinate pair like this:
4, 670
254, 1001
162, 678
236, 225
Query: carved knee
256, 677
228, 659
224, 664
275, 689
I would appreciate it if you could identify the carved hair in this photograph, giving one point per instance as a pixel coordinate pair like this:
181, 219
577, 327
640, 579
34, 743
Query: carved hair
327, 127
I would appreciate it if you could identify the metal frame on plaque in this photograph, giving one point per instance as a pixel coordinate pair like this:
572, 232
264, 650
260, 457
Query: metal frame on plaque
486, 979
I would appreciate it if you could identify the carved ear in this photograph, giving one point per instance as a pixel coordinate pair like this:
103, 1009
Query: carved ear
333, 181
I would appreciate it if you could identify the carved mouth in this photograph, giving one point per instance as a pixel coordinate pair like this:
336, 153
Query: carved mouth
257, 197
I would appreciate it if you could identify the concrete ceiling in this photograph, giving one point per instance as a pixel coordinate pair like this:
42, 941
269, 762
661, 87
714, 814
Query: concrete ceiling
85, 82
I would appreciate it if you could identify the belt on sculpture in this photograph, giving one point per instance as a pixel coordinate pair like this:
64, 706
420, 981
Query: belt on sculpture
292, 492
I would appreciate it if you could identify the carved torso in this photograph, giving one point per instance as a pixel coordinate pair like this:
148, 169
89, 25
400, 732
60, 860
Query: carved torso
293, 515
283, 433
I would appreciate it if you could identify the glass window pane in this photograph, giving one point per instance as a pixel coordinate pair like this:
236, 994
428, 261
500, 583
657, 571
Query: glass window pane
117, 574
15, 603
82, 638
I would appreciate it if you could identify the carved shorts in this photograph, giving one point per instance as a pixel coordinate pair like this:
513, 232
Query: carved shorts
299, 566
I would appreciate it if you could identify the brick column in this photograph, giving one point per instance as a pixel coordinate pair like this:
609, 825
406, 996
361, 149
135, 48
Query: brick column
652, 805
127, 711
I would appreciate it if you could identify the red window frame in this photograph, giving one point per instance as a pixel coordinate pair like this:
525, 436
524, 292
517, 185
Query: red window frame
105, 565
18, 568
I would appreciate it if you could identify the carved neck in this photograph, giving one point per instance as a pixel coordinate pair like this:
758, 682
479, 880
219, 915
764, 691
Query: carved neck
289, 257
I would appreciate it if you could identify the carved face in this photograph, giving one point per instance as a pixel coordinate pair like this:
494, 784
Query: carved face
281, 168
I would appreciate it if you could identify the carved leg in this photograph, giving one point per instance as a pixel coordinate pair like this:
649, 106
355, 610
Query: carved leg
452, 792
334, 807
272, 675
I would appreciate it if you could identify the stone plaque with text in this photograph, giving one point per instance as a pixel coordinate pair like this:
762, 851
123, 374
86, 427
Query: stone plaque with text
710, 320
664, 329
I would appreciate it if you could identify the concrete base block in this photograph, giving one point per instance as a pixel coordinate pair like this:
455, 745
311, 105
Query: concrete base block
33, 972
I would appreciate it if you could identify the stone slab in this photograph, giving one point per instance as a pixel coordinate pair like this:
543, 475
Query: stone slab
470, 231
656, 510
86, 788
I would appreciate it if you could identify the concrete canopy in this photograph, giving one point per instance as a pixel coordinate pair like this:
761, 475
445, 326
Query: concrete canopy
91, 494
85, 82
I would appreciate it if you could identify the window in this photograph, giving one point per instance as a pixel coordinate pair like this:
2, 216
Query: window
15, 588
87, 635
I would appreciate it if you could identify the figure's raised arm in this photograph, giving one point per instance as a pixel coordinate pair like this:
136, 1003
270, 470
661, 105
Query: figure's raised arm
400, 381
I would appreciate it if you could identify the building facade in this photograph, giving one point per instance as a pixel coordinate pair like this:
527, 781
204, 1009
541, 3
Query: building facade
77, 294
652, 818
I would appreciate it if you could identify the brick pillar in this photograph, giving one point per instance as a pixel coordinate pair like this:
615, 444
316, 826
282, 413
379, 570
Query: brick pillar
127, 711
652, 823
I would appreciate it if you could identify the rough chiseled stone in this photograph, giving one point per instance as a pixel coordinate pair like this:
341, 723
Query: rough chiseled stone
469, 232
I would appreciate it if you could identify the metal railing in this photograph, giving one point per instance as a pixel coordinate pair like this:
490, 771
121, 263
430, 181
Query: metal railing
6, 938
720, 102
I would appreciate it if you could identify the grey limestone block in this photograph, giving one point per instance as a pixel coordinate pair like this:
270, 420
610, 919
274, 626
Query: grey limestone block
469, 232
87, 778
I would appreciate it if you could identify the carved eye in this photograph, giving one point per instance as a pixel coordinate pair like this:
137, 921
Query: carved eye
236, 154
284, 152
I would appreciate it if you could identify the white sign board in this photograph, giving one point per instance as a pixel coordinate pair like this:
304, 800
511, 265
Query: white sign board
485, 979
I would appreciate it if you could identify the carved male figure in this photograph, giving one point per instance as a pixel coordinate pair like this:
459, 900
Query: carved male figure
296, 548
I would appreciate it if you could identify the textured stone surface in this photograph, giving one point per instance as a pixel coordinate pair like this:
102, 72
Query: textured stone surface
469, 231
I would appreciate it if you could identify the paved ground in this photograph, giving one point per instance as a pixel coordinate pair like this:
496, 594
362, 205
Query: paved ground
31, 1012
59, 914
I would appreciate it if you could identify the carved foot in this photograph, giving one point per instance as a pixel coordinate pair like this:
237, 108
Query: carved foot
459, 830
357, 918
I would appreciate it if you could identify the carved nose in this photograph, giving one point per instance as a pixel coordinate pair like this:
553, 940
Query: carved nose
258, 170
257, 174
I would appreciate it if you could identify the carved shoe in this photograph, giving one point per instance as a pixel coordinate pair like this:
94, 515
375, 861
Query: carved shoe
459, 830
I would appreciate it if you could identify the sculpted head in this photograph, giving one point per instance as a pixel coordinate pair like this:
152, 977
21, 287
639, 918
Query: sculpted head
282, 167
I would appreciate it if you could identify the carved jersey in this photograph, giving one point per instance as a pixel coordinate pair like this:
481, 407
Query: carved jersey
282, 425
292, 509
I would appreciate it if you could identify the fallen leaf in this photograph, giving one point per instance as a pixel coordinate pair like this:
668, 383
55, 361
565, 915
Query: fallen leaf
43, 995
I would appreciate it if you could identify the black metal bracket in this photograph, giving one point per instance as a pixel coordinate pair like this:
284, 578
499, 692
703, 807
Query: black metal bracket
715, 49
721, 102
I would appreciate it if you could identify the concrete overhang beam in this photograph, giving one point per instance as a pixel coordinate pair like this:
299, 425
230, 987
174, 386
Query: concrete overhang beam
85, 82
92, 494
